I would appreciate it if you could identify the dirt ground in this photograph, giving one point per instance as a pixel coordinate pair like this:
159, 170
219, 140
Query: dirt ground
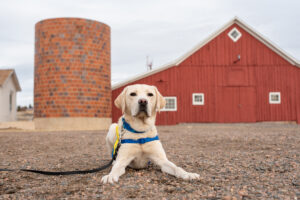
235, 161
24, 122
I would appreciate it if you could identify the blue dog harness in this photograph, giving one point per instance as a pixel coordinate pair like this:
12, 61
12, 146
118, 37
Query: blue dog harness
139, 141
127, 127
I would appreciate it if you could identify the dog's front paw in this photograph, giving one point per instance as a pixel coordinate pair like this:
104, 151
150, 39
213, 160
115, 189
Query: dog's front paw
190, 176
109, 179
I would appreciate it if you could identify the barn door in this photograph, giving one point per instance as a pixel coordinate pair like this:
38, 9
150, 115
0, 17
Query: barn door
247, 104
227, 104
236, 104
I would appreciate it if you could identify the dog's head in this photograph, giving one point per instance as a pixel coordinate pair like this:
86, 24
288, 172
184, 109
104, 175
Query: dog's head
140, 101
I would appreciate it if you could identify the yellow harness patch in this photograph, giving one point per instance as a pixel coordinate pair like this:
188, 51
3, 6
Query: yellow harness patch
116, 142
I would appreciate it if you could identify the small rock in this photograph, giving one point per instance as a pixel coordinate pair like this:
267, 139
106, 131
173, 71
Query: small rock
296, 182
243, 193
228, 197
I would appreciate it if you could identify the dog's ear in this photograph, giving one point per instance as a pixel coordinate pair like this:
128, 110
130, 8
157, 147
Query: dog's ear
120, 101
160, 100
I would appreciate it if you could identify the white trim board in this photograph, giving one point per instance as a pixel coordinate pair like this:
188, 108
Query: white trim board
236, 20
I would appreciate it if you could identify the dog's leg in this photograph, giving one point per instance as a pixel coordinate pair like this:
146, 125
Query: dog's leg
158, 156
124, 157
117, 170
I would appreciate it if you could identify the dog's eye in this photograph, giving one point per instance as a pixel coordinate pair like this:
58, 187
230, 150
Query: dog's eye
150, 94
132, 94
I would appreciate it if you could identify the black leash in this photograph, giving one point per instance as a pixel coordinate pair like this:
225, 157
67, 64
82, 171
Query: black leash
69, 172
7, 170
49, 173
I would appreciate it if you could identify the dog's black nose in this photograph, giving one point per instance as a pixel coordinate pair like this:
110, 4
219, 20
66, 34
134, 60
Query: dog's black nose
143, 102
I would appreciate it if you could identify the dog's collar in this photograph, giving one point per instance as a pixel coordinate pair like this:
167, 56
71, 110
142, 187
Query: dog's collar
139, 141
129, 128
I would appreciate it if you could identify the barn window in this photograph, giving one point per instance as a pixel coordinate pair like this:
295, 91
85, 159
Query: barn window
171, 104
235, 34
274, 98
10, 101
198, 99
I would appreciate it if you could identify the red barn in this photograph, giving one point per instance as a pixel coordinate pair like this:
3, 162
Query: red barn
235, 75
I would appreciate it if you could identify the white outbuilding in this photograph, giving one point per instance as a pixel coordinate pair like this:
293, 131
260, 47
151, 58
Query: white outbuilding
9, 86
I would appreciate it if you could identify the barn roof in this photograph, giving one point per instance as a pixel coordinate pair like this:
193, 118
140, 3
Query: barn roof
235, 20
5, 74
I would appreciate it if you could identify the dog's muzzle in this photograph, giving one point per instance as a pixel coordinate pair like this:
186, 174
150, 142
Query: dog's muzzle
143, 103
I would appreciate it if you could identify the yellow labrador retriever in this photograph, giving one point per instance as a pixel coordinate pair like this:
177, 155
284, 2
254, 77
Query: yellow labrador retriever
139, 138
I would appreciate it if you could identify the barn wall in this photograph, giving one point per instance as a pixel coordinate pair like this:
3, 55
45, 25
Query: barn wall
298, 97
196, 80
235, 90
6, 114
276, 79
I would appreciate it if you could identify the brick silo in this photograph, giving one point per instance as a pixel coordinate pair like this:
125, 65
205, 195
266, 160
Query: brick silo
72, 88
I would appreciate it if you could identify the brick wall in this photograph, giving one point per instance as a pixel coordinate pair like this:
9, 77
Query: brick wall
72, 68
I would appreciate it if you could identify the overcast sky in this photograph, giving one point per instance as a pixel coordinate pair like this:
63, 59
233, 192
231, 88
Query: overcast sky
161, 29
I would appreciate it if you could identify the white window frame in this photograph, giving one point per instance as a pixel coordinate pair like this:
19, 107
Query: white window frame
238, 37
172, 109
198, 103
270, 98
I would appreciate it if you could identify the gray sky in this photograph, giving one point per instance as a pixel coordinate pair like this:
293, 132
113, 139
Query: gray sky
163, 30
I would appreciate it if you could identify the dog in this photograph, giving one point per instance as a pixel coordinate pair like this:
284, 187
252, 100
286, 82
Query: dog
139, 139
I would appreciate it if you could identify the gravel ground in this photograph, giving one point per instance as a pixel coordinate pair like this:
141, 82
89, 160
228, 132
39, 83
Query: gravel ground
235, 161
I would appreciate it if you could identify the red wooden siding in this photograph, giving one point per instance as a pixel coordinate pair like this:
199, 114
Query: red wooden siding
234, 90
236, 104
298, 96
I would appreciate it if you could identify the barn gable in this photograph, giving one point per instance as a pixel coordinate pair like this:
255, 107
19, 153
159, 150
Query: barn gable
252, 38
223, 32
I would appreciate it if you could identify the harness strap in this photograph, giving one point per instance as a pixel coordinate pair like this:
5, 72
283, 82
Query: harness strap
119, 141
139, 141
129, 128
